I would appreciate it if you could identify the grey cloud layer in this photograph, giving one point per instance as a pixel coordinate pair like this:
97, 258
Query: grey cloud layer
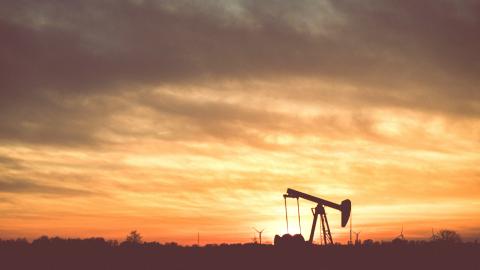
420, 55
19, 186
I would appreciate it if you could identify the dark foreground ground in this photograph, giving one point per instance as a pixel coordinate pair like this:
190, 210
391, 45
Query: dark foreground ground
103, 255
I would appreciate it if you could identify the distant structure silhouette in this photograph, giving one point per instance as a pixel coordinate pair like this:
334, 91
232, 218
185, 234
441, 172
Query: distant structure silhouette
351, 221
400, 239
259, 234
401, 236
357, 240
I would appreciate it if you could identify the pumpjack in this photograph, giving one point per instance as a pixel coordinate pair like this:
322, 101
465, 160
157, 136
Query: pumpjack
344, 207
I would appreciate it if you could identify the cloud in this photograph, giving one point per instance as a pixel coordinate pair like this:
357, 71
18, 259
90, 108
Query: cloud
21, 186
10, 163
61, 63
171, 107
397, 50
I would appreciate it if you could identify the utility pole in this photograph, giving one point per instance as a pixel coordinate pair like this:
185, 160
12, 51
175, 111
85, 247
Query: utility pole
357, 241
198, 239
351, 220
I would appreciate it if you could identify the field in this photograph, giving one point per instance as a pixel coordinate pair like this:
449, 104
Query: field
96, 253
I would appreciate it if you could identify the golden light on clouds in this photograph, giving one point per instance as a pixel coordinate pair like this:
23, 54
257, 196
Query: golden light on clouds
172, 139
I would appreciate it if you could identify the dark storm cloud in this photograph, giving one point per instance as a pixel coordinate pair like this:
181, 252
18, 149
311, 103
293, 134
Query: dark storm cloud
85, 45
14, 185
420, 55
431, 46
120, 42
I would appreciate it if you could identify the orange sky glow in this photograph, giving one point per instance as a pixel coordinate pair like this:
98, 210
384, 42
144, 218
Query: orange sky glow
175, 140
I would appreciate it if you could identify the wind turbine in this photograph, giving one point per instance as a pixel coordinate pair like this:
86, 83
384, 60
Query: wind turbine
259, 234
401, 234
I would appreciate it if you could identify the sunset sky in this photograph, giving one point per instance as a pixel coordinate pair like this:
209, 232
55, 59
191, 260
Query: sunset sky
178, 117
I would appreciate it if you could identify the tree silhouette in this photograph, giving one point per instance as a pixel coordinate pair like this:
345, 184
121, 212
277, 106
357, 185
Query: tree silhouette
134, 238
447, 236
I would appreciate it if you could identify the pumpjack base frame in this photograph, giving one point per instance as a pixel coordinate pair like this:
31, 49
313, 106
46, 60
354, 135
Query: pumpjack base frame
324, 227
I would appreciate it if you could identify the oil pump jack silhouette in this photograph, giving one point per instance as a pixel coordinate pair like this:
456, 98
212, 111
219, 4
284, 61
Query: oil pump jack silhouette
344, 207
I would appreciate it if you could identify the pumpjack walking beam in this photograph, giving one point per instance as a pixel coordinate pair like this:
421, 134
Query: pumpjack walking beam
319, 210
